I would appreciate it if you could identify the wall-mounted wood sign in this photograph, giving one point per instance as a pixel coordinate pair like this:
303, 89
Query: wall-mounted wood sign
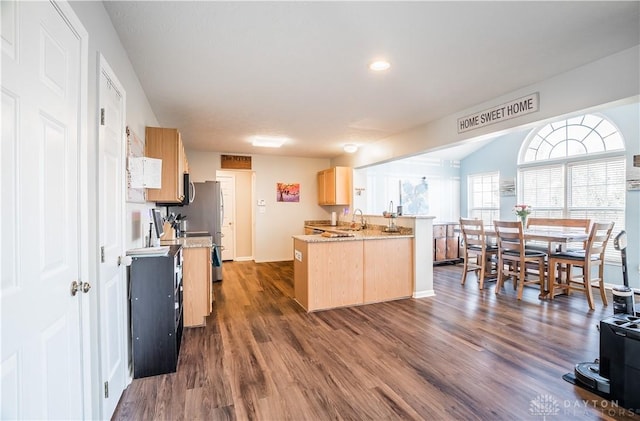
235, 162
516, 108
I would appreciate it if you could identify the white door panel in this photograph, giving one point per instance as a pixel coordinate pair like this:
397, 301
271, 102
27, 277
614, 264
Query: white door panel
227, 187
112, 284
41, 368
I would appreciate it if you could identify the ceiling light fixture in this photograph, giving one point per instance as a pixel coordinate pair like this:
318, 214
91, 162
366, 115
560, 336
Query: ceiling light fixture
350, 148
379, 65
268, 141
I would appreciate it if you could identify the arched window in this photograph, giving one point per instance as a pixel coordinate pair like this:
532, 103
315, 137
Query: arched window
583, 135
575, 168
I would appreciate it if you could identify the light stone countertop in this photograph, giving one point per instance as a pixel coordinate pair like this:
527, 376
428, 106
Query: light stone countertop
190, 242
366, 234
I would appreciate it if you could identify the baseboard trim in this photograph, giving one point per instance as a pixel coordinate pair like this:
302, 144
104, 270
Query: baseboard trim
424, 294
243, 259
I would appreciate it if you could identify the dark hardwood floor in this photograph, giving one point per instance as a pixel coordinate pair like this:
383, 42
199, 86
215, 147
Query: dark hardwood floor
464, 354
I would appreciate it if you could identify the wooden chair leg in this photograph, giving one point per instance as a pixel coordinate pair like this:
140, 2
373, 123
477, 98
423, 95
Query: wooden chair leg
541, 277
464, 269
551, 280
603, 294
482, 260
523, 273
586, 279
500, 280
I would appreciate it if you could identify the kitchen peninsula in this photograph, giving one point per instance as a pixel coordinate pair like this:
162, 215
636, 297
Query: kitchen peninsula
344, 267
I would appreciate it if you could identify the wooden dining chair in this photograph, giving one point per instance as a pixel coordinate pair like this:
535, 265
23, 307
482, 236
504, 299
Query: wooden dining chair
513, 258
478, 254
588, 260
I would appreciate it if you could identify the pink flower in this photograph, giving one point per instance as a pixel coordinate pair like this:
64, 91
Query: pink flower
522, 210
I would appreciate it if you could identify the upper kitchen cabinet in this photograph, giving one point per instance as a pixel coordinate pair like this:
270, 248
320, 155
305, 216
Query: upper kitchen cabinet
335, 185
166, 144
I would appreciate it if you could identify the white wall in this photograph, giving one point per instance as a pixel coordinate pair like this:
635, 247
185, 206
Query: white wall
104, 40
274, 228
604, 81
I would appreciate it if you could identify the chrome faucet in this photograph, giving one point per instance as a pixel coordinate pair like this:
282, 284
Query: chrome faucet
363, 223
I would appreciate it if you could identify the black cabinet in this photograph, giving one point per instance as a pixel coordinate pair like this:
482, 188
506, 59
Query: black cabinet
155, 284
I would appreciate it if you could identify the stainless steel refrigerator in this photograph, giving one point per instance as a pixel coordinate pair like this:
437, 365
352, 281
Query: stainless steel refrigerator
206, 213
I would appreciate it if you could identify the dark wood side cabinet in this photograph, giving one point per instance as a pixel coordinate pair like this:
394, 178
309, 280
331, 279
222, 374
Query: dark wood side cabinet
155, 284
446, 242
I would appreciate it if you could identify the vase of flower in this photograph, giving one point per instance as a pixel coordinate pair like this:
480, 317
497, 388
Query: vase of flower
523, 220
522, 211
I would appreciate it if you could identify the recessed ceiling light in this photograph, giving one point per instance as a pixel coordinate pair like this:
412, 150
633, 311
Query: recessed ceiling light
350, 148
379, 65
268, 141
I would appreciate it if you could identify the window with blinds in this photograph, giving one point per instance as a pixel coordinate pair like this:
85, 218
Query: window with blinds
572, 169
484, 196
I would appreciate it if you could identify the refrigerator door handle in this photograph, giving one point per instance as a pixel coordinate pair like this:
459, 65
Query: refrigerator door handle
192, 196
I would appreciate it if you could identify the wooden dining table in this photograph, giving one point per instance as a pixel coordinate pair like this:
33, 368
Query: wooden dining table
559, 237
556, 240
552, 237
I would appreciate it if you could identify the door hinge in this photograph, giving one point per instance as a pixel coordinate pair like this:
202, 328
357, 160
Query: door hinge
102, 116
102, 254
106, 390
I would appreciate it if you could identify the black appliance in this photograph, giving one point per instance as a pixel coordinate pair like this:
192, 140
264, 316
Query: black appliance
616, 374
623, 296
189, 191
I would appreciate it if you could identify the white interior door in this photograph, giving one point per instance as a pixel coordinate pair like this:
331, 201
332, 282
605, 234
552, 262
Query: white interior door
112, 285
228, 188
44, 59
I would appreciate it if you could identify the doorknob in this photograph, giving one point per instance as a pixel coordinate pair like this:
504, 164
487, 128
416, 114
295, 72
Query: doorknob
79, 286
75, 286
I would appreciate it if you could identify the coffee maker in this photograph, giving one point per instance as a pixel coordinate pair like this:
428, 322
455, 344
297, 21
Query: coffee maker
616, 374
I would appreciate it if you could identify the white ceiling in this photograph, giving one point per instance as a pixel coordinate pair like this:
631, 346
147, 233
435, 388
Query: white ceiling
223, 71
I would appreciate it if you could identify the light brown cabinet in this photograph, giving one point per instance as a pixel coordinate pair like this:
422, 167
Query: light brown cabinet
329, 274
335, 185
196, 280
446, 243
166, 144
388, 269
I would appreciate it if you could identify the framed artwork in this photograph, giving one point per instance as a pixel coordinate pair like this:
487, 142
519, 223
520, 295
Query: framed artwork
507, 187
288, 192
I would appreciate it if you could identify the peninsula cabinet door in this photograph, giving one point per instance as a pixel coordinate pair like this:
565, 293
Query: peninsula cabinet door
388, 269
335, 274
